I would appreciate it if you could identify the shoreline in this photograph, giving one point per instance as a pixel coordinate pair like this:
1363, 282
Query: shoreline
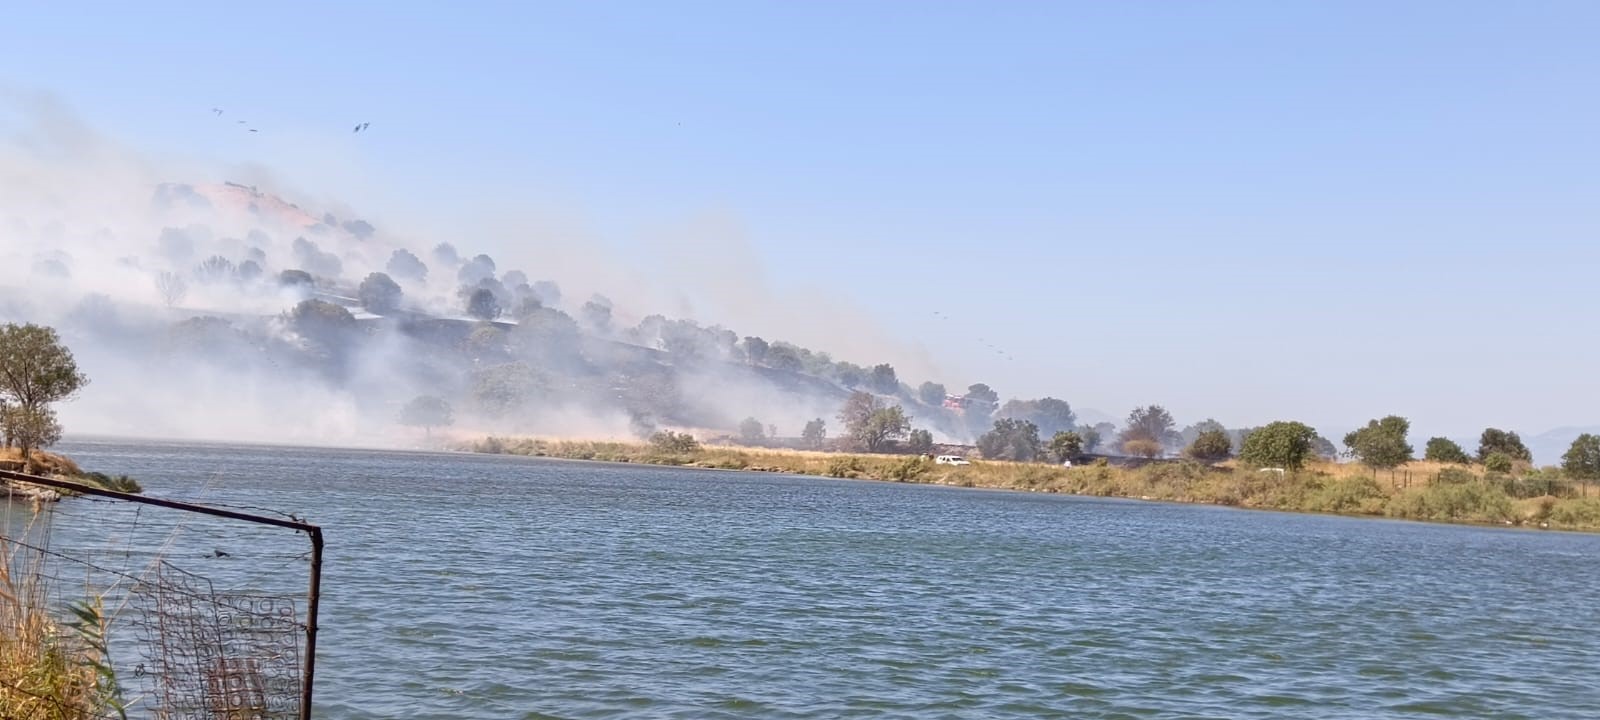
1325, 489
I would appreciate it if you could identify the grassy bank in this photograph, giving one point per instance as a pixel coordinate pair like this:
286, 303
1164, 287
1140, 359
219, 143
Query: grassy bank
50, 464
1417, 492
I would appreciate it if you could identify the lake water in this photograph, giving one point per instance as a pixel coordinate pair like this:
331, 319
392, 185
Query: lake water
466, 586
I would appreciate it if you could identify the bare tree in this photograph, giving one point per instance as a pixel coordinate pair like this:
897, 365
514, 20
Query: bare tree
172, 288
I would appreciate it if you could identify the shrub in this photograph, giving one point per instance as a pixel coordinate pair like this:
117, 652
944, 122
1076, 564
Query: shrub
1455, 476
676, 443
908, 469
1478, 501
844, 467
1497, 462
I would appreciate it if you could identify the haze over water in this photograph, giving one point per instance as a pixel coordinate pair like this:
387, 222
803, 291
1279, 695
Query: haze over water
462, 586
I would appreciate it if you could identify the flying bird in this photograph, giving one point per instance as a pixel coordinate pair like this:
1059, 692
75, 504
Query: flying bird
360, 127
252, 129
218, 111
241, 122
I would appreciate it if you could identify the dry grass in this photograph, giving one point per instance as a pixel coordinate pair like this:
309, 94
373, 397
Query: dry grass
1342, 488
47, 463
49, 669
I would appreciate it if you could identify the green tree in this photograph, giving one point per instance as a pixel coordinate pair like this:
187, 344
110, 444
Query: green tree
1188, 435
784, 357
379, 294
815, 432
920, 441
427, 412
36, 369
871, 422
751, 431
1066, 445
1211, 445
29, 430
1150, 423
1382, 443
1496, 440
1445, 450
1498, 462
1582, 459
931, 393
1281, 444
1011, 439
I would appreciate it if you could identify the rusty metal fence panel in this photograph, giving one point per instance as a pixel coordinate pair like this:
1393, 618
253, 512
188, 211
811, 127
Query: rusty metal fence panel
196, 611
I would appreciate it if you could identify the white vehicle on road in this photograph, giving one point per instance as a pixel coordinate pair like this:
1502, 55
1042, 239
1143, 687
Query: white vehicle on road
950, 460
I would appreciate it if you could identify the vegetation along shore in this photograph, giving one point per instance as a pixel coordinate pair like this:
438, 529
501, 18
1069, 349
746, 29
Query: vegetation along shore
1419, 490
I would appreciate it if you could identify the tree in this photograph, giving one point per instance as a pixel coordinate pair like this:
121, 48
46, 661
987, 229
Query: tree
1188, 435
35, 370
445, 254
30, 429
1282, 444
481, 304
1445, 450
1210, 446
931, 393
1066, 446
1496, 440
784, 357
1011, 439
751, 431
379, 294
214, 269
882, 379
756, 349
323, 323
920, 441
172, 288
1582, 459
249, 271
427, 412
815, 432
982, 393
596, 313
1091, 437
1049, 414
1497, 462
1382, 443
1151, 423
871, 422
548, 292
402, 264
295, 278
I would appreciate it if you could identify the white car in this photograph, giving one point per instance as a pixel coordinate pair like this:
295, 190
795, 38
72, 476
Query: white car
950, 460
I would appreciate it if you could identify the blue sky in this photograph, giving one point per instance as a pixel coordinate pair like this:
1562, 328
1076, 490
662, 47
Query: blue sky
1245, 210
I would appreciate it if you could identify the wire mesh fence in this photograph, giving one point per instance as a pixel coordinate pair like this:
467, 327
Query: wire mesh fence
114, 605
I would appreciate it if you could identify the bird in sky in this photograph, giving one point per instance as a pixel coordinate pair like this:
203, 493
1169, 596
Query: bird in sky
252, 129
360, 127
218, 111
241, 122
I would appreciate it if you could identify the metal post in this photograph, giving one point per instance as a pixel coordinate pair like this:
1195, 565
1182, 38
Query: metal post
311, 623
